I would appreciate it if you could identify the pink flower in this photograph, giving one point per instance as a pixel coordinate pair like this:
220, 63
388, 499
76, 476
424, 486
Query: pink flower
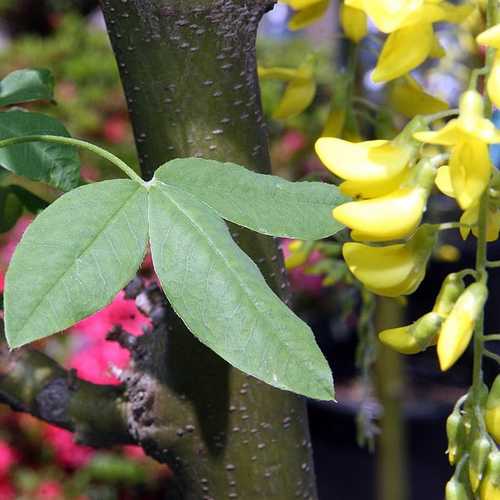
49, 490
67, 452
120, 312
2, 282
134, 452
7, 491
94, 361
9, 240
299, 279
116, 129
293, 141
8, 457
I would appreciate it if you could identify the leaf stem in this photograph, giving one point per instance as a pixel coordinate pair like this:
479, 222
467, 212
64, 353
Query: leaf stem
491, 337
441, 115
493, 263
492, 355
77, 143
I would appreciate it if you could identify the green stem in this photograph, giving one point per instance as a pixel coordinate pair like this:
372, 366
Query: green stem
491, 337
492, 355
77, 143
493, 263
441, 115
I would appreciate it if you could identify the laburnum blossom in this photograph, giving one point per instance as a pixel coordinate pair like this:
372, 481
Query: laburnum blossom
392, 270
491, 38
306, 12
458, 327
299, 91
468, 135
370, 168
492, 415
409, 24
409, 98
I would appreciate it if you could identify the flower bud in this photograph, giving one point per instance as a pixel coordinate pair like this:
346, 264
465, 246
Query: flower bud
455, 490
354, 23
455, 430
458, 327
392, 270
414, 338
492, 416
451, 289
490, 485
479, 453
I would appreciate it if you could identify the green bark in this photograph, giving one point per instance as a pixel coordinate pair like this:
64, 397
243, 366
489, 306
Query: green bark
189, 73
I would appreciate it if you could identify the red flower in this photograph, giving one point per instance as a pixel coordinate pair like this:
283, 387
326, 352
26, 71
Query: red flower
67, 452
120, 312
49, 490
7, 491
94, 361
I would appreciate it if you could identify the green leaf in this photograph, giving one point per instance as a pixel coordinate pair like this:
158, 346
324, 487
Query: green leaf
30, 201
264, 203
55, 164
11, 209
26, 85
74, 258
224, 300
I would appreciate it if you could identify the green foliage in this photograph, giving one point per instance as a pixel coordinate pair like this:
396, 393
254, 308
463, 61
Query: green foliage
26, 85
264, 203
75, 258
85, 247
224, 300
55, 164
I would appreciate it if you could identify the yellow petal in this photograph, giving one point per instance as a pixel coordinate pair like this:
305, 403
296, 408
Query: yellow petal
399, 339
403, 51
490, 37
298, 95
363, 161
388, 15
458, 327
443, 181
449, 135
409, 98
277, 73
493, 85
374, 189
334, 123
379, 267
469, 218
353, 22
437, 49
389, 217
470, 171
308, 15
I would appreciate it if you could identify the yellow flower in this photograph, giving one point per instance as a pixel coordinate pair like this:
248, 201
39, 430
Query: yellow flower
455, 490
372, 168
403, 51
409, 98
443, 181
307, 12
353, 22
393, 216
490, 485
414, 338
299, 91
492, 416
470, 218
490, 37
493, 84
458, 327
470, 166
409, 22
470, 124
392, 270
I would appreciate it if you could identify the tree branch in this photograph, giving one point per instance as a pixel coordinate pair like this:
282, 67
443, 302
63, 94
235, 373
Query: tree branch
31, 382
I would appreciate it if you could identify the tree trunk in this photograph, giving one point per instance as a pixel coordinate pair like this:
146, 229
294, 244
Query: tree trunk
189, 72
